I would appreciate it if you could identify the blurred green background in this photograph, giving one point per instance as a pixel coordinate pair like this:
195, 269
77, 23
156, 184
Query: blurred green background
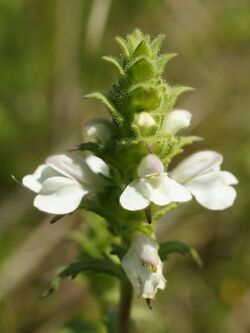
50, 57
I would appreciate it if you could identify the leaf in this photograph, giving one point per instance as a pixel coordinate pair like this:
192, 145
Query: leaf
187, 140
162, 60
140, 70
115, 62
174, 93
136, 34
107, 103
144, 98
102, 98
142, 49
86, 265
134, 39
177, 146
156, 44
123, 44
170, 247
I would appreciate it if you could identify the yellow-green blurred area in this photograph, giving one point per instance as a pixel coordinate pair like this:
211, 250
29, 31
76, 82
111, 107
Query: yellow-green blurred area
50, 57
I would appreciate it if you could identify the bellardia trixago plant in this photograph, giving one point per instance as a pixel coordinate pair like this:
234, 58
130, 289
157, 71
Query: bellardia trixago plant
121, 172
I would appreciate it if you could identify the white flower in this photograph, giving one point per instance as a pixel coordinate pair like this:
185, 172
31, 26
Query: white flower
64, 180
201, 175
143, 267
154, 185
176, 120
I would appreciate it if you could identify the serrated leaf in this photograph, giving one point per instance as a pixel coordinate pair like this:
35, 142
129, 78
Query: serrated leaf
169, 247
140, 70
156, 44
96, 95
144, 98
87, 264
162, 60
115, 62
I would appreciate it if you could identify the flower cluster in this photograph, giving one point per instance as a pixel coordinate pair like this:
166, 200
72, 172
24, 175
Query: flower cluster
124, 165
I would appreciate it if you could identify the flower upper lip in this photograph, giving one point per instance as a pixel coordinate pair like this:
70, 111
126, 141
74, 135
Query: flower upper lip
154, 185
64, 180
201, 175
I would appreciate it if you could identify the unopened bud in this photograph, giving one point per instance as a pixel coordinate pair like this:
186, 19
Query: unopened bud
145, 121
99, 129
176, 120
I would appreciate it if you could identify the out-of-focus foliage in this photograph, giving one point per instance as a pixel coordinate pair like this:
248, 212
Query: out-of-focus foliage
50, 57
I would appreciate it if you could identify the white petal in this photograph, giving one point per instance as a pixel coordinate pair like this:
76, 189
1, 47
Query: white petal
211, 191
176, 120
59, 195
163, 190
146, 249
144, 281
151, 282
97, 165
135, 196
197, 164
72, 166
229, 178
131, 265
150, 165
34, 182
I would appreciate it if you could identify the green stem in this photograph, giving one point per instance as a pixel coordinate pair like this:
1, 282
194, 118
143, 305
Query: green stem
126, 293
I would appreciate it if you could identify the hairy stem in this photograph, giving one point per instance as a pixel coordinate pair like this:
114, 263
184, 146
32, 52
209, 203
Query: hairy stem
126, 293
